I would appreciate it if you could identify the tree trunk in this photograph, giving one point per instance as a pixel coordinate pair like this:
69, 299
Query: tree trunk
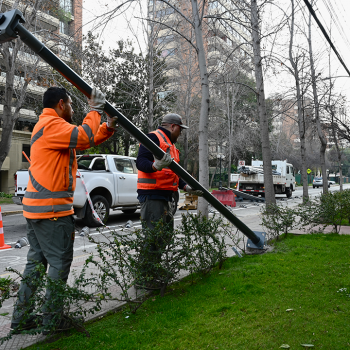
264, 123
187, 116
151, 73
320, 133
204, 113
301, 119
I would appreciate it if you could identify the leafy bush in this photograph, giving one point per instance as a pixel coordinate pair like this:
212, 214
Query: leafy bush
196, 246
329, 209
277, 220
5, 195
124, 258
334, 209
74, 300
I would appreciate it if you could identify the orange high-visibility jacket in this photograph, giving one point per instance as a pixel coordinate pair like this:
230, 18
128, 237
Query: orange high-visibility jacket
165, 179
52, 173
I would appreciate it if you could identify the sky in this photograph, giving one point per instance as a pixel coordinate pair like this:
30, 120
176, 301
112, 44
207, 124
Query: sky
333, 14
123, 26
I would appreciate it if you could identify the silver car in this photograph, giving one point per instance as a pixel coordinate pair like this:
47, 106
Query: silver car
318, 182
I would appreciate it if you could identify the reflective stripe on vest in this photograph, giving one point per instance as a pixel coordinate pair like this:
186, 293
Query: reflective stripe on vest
47, 208
147, 181
37, 136
44, 193
164, 179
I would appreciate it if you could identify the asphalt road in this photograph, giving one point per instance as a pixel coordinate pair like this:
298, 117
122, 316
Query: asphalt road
15, 227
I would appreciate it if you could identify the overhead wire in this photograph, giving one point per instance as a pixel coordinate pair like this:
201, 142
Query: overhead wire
308, 5
335, 19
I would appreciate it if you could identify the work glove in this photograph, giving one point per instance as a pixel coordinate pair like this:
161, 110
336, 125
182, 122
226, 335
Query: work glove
159, 164
112, 122
97, 101
190, 190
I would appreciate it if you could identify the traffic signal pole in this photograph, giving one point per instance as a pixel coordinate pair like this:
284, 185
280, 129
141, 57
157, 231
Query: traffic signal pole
11, 27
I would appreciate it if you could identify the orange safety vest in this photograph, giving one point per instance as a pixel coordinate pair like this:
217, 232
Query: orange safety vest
164, 179
52, 173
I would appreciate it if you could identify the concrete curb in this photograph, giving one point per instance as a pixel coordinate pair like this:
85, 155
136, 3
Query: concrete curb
6, 213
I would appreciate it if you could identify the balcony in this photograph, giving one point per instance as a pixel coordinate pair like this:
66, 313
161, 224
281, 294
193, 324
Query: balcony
24, 114
51, 21
32, 89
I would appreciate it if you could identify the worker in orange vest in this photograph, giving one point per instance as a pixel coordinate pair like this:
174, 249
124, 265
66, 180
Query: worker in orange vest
48, 201
156, 185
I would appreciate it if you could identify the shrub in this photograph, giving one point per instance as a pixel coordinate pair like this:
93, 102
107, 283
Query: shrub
277, 220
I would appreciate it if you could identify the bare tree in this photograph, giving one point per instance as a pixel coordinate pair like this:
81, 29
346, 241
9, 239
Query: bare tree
320, 130
264, 123
23, 71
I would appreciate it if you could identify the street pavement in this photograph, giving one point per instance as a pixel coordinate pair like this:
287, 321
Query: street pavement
15, 228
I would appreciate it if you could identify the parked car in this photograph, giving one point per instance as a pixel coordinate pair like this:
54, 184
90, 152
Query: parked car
318, 182
111, 181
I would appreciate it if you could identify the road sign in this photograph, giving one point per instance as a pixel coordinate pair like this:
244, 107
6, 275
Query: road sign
241, 163
309, 171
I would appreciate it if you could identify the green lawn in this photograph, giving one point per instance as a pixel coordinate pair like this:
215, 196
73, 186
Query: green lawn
4, 200
290, 296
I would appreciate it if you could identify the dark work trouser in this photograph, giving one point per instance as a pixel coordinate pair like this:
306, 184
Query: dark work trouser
51, 242
152, 211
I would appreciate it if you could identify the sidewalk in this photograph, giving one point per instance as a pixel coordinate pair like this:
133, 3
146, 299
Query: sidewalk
11, 209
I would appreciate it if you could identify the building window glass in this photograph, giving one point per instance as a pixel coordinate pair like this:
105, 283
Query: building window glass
170, 52
67, 6
165, 39
64, 28
164, 12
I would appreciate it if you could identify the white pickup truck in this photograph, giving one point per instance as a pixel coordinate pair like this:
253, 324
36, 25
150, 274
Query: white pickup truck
111, 181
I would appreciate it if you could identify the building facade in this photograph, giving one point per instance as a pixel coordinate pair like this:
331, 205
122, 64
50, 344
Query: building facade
58, 24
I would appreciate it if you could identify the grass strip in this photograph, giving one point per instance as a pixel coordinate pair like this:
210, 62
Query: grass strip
4, 200
293, 296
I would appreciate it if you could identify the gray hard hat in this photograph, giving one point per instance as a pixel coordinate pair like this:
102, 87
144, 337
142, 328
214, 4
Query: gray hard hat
173, 118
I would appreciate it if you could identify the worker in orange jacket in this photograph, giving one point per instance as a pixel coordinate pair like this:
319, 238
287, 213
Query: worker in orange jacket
48, 201
156, 185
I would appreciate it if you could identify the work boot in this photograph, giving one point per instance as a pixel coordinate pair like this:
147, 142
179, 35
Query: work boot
32, 322
63, 324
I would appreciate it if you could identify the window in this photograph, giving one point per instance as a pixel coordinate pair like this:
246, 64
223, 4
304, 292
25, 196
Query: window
26, 150
165, 39
170, 52
66, 6
124, 166
99, 164
64, 28
287, 169
164, 12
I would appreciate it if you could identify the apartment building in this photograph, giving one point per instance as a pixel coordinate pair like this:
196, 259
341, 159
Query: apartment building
227, 40
58, 24
226, 32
